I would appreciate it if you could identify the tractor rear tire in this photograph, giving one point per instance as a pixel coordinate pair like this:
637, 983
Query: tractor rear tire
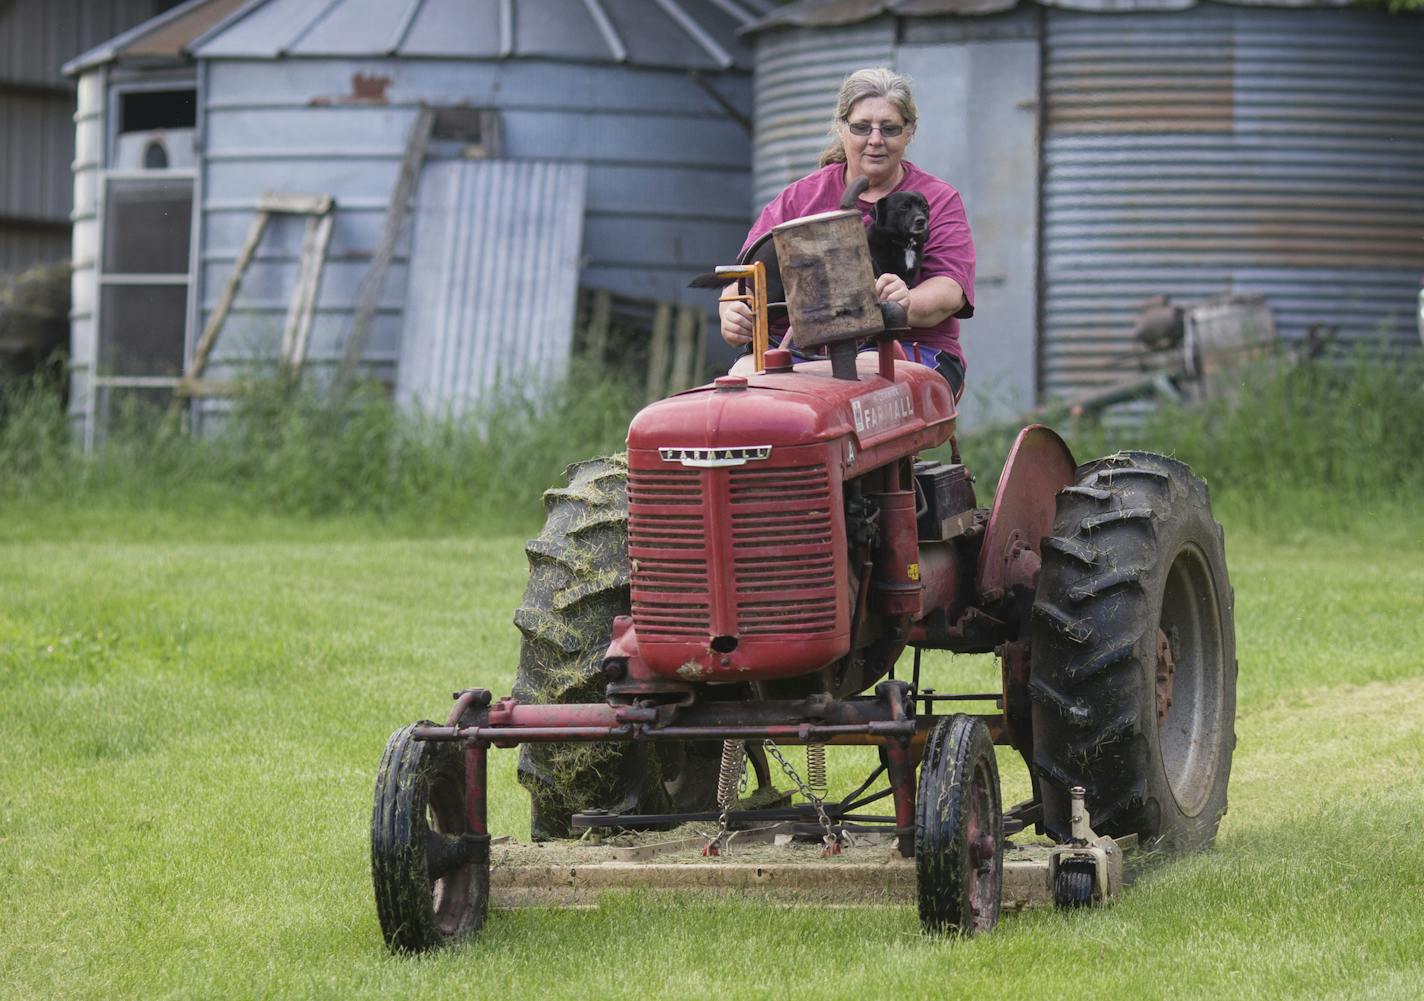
1133, 663
431, 874
578, 584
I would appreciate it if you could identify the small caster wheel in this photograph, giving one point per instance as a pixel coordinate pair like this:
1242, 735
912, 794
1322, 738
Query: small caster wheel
959, 830
1073, 884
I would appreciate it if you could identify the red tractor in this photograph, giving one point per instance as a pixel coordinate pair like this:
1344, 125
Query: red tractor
750, 577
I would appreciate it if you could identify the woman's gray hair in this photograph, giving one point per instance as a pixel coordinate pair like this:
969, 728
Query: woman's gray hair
874, 82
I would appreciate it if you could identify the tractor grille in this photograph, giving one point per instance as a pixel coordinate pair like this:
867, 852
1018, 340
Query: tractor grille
781, 540
667, 539
774, 542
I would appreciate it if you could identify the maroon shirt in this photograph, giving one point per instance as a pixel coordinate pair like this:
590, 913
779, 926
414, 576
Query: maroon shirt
949, 250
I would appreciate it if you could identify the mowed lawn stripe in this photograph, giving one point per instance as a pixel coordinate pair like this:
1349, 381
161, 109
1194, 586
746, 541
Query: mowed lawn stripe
191, 731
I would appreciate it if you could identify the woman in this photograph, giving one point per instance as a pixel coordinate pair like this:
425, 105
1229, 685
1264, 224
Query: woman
874, 123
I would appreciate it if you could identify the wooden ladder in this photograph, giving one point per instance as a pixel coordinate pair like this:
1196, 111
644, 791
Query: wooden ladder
320, 213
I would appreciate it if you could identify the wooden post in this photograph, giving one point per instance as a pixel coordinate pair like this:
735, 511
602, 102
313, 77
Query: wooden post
658, 352
600, 312
375, 280
685, 345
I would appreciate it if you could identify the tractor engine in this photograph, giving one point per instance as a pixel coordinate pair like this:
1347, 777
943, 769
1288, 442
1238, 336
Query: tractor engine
774, 522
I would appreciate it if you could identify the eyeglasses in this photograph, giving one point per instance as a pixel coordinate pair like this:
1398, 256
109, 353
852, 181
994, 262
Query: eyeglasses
865, 128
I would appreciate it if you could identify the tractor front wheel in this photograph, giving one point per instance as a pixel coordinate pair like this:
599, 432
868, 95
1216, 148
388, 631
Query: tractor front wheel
1133, 663
959, 830
431, 874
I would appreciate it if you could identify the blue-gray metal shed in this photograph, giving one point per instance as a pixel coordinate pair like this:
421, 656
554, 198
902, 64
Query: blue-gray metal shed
644, 102
1110, 150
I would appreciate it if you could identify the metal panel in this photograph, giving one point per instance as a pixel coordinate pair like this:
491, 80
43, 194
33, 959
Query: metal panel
1263, 151
798, 73
493, 280
682, 34
37, 151
37, 36
978, 130
23, 248
36, 118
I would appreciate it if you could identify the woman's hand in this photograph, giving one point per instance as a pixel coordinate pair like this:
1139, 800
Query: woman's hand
892, 288
736, 320
929, 304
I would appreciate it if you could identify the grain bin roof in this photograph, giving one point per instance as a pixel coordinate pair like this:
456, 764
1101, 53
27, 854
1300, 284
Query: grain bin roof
680, 34
829, 13
159, 38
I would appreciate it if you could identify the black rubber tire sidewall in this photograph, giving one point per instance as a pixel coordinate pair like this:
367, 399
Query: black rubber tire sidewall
955, 746
1093, 664
410, 772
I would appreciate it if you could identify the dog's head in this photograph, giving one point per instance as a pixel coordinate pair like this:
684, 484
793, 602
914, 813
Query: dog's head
904, 213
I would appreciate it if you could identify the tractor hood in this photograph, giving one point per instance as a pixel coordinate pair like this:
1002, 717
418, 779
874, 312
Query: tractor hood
805, 406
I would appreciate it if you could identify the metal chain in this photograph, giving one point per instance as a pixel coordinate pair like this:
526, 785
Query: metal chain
829, 838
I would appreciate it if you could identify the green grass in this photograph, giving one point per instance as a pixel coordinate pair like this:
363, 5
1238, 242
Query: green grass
193, 711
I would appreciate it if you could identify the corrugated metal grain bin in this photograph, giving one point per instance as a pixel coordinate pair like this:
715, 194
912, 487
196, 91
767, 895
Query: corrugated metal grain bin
644, 101
1105, 157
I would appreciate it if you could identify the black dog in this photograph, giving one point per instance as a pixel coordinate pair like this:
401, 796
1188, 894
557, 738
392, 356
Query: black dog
897, 234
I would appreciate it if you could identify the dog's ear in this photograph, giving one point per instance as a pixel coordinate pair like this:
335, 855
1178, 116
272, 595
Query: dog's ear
879, 212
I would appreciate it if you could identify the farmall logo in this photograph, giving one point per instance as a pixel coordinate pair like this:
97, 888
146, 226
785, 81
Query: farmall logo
708, 458
882, 409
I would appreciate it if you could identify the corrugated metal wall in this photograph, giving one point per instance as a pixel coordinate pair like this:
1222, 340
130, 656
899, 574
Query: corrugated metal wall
1229, 149
668, 183
494, 280
798, 72
36, 109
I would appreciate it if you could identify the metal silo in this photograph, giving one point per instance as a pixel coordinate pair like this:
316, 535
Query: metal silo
1220, 148
1267, 150
630, 114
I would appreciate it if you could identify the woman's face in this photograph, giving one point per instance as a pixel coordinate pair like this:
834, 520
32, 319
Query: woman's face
875, 155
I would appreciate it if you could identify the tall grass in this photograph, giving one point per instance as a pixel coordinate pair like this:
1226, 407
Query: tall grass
303, 453
1311, 446
1305, 447
1314, 445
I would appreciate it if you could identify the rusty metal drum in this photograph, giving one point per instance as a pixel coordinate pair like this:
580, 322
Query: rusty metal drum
830, 283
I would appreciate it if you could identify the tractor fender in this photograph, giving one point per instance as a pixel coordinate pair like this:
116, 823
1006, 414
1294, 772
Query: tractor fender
1025, 503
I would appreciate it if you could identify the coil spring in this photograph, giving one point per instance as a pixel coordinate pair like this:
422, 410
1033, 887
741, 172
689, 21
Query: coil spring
816, 769
729, 774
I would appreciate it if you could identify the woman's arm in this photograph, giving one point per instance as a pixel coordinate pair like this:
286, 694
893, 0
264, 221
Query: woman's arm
929, 303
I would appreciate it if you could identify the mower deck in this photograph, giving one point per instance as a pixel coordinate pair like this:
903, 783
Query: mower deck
757, 863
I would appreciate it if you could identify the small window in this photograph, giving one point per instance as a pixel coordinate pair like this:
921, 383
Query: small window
149, 227
146, 110
472, 133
